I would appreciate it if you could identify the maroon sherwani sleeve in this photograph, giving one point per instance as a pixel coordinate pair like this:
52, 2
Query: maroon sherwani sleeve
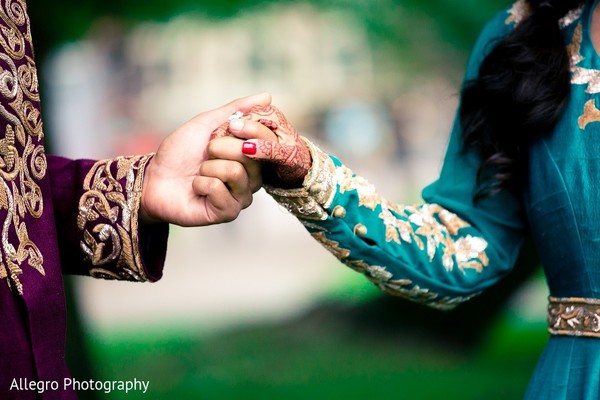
96, 205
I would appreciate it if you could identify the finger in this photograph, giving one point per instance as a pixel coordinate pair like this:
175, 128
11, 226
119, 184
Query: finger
215, 203
221, 131
262, 150
245, 129
218, 116
227, 148
292, 162
234, 175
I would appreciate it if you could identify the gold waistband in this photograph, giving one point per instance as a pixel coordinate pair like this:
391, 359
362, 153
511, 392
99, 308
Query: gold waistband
574, 316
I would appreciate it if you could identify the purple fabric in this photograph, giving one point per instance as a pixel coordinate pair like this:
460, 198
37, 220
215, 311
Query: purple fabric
39, 211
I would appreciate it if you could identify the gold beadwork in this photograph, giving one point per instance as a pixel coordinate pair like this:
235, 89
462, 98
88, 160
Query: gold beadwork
339, 212
428, 227
360, 230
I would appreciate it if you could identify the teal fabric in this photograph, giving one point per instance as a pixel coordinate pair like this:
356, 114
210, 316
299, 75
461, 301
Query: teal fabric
560, 209
563, 208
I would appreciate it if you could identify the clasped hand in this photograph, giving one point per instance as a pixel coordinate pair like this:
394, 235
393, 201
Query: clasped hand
207, 170
184, 185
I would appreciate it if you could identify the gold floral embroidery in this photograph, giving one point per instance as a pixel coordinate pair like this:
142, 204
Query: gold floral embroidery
574, 48
397, 229
580, 76
521, 9
518, 12
331, 245
429, 227
590, 114
107, 217
419, 225
317, 190
574, 316
367, 193
22, 158
405, 289
571, 17
584, 76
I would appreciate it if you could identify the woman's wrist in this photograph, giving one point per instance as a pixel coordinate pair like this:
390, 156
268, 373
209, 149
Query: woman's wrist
312, 198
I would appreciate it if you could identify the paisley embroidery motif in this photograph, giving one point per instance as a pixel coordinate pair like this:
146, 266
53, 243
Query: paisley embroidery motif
22, 158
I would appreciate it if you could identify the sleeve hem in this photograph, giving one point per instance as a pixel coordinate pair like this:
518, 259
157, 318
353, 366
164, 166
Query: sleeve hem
312, 200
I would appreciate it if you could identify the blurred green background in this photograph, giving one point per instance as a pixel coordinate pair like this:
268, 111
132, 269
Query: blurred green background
233, 318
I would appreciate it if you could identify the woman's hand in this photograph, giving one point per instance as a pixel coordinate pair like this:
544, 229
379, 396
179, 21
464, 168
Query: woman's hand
271, 138
182, 186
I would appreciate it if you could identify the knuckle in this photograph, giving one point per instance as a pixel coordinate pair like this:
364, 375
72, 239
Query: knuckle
211, 147
247, 201
237, 172
232, 213
213, 185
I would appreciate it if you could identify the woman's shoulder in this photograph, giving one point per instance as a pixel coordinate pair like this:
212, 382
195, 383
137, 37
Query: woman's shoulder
505, 20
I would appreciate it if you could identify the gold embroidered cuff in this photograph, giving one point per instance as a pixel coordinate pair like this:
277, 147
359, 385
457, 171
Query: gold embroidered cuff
318, 189
574, 316
108, 218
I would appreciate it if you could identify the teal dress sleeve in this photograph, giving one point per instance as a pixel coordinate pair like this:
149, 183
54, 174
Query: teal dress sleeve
439, 253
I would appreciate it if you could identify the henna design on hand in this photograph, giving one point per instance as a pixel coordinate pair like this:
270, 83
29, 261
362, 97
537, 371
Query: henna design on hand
287, 159
221, 131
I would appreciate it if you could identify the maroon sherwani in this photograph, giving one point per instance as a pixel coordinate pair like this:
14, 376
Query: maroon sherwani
56, 216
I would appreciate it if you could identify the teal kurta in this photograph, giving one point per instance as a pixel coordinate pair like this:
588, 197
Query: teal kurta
448, 249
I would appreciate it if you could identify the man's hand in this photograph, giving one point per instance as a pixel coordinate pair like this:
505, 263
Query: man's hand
182, 186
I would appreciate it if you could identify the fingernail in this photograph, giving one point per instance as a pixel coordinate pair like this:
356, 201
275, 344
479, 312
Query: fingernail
236, 124
249, 148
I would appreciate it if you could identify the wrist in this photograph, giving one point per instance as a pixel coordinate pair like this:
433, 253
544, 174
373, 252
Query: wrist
145, 216
314, 196
292, 170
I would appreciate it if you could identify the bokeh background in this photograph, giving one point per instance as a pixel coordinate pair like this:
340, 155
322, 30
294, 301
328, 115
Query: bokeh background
255, 309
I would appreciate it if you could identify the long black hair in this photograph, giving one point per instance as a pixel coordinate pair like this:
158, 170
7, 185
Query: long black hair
521, 90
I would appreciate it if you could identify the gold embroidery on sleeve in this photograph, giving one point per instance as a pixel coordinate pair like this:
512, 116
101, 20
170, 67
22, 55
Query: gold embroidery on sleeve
367, 193
419, 225
405, 289
429, 227
106, 217
22, 158
317, 191
331, 245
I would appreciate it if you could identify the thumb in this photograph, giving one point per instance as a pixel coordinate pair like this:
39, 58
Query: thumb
245, 104
216, 117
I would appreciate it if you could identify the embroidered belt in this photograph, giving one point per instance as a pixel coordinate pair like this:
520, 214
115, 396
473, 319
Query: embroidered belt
574, 316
